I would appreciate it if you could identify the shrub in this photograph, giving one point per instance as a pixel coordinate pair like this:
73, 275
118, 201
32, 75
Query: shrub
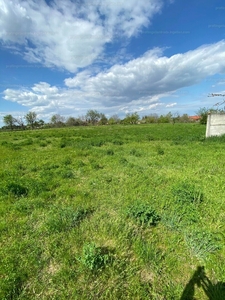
143, 214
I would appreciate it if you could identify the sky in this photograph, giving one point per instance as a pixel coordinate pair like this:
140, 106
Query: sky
114, 56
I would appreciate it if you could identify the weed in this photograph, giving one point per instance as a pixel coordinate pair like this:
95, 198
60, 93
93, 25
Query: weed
160, 151
143, 214
65, 218
96, 166
93, 257
97, 143
26, 142
117, 142
110, 152
43, 144
202, 243
123, 161
67, 174
135, 153
185, 192
16, 189
67, 161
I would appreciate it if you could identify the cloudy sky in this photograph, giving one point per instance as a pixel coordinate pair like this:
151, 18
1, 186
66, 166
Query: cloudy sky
115, 56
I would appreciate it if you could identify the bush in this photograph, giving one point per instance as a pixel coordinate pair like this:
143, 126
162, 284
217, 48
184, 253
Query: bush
143, 214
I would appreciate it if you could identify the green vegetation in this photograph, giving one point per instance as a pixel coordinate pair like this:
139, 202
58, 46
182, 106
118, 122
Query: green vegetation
112, 212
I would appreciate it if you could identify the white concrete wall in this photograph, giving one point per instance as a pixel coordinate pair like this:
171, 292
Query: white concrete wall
215, 125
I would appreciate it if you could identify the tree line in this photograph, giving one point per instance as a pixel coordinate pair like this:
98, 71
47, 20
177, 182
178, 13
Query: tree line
92, 117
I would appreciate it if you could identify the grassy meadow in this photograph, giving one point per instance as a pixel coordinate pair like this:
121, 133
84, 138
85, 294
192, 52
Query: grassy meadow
112, 212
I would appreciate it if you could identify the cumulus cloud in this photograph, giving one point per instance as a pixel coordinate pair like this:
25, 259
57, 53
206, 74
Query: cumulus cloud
153, 74
134, 86
67, 34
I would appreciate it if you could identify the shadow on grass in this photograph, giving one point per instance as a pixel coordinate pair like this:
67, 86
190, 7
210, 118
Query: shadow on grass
199, 279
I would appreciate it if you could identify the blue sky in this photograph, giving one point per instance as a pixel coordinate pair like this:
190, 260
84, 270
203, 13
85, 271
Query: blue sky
145, 56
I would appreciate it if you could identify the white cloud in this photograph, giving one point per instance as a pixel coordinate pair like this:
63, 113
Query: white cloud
71, 35
171, 104
138, 85
153, 74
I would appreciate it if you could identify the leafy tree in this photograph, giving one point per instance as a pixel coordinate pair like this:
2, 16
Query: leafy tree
152, 118
58, 120
9, 121
71, 121
165, 118
41, 123
103, 120
203, 113
93, 116
184, 118
131, 118
31, 118
114, 120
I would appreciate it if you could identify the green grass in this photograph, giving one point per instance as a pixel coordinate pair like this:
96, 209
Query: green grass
111, 212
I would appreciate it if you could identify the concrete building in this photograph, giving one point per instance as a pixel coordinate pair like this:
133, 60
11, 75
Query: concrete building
215, 124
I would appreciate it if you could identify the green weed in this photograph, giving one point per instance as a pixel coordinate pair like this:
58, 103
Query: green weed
65, 218
185, 192
95, 258
143, 214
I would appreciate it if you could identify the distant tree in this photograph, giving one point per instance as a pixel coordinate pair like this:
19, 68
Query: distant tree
31, 118
41, 122
152, 118
58, 120
184, 118
20, 122
114, 120
93, 116
71, 121
131, 118
175, 117
165, 118
203, 114
9, 121
103, 120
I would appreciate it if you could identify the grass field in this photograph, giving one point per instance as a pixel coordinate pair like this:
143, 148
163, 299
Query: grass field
112, 212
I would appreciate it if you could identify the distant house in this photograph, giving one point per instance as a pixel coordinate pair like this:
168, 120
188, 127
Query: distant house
194, 118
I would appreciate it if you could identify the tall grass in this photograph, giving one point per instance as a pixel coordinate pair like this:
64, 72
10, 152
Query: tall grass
110, 212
